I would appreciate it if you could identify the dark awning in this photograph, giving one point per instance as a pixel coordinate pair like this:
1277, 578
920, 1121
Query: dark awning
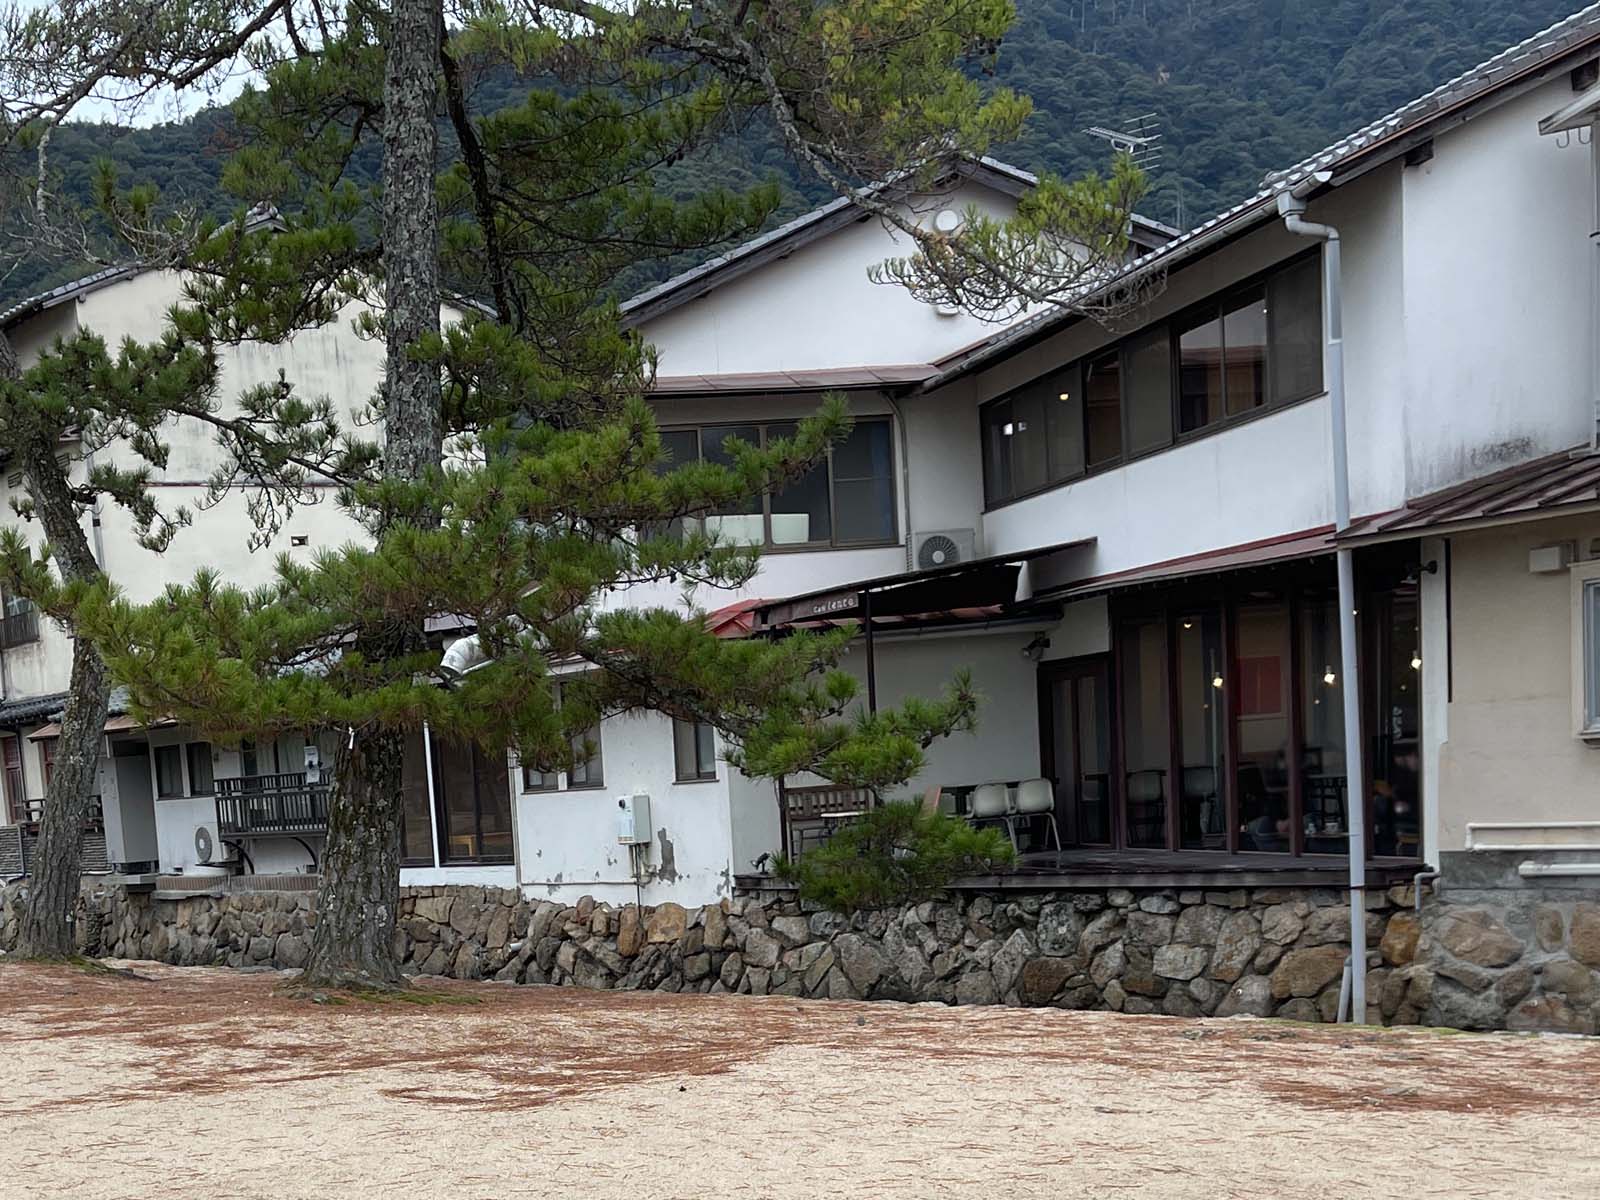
1306, 544
1559, 484
977, 590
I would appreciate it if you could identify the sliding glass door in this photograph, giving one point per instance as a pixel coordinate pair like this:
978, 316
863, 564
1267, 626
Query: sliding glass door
1075, 721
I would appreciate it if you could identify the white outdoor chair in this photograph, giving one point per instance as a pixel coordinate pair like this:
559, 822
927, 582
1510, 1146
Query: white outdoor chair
1035, 798
991, 803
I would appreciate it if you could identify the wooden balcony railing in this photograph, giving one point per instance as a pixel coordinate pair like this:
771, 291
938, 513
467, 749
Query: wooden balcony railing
271, 804
19, 628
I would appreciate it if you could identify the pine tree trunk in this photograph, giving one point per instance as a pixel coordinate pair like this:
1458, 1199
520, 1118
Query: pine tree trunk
352, 944
358, 898
55, 866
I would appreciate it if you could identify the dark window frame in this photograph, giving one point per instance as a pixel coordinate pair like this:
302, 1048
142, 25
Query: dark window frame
703, 772
597, 758
190, 749
1218, 303
482, 771
1302, 587
832, 541
176, 748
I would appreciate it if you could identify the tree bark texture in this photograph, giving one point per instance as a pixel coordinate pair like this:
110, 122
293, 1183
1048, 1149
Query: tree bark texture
358, 897
55, 866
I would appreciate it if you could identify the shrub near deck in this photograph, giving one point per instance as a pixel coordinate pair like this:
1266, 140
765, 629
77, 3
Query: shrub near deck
1268, 952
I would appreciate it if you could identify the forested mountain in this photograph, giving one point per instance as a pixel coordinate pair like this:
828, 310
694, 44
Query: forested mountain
1238, 87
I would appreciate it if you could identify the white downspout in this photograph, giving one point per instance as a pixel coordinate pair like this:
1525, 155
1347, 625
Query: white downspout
1292, 206
433, 807
1594, 285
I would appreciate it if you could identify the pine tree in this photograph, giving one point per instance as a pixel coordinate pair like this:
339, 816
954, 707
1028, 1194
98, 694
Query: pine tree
81, 395
520, 483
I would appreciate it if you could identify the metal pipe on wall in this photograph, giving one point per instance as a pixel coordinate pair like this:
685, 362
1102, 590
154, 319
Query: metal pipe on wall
1292, 207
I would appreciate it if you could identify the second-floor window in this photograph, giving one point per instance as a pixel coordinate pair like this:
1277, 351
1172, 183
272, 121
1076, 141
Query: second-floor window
694, 751
848, 499
19, 622
1251, 347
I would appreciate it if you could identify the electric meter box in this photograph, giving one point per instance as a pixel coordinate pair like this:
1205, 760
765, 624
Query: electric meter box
633, 819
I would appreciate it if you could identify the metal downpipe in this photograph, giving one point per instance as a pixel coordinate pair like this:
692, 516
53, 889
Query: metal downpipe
1292, 206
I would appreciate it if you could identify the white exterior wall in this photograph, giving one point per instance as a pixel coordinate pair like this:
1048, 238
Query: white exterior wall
330, 361
567, 843
1497, 314
1508, 746
816, 308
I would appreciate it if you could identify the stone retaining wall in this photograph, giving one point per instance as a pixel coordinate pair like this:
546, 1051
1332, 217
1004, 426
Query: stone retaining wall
1268, 952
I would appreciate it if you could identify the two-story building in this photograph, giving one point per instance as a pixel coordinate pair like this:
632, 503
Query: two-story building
1126, 535
175, 805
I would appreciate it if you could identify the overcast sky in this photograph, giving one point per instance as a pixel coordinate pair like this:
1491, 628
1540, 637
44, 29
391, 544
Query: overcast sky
164, 107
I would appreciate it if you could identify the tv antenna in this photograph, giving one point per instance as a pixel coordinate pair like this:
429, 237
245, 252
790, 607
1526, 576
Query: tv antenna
1141, 139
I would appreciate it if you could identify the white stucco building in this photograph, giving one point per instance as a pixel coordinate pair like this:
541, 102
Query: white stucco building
1125, 535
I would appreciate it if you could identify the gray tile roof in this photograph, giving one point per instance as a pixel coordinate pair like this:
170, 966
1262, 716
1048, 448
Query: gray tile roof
65, 292
29, 709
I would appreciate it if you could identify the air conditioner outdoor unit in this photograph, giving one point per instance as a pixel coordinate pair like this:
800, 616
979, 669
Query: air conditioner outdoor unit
942, 548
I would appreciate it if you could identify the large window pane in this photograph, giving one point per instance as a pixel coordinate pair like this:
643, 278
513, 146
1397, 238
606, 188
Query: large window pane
1397, 767
1145, 743
474, 802
200, 780
1149, 390
800, 512
1244, 352
693, 750
587, 769
169, 771
416, 829
1029, 442
1103, 405
1294, 305
1063, 393
1200, 374
997, 485
1261, 700
740, 522
494, 804
1323, 782
863, 484
458, 804
1202, 732
678, 446
1093, 711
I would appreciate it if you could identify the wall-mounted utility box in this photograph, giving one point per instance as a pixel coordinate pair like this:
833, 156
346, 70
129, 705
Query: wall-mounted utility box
1546, 560
633, 819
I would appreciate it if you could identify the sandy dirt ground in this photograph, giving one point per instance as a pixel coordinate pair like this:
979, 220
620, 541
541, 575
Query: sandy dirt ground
180, 1083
